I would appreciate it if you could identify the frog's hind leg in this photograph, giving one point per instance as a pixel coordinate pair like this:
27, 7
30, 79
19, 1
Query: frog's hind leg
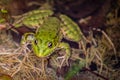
70, 29
67, 55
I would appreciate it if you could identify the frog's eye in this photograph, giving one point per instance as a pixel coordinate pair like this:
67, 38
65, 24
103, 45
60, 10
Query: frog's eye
50, 44
36, 42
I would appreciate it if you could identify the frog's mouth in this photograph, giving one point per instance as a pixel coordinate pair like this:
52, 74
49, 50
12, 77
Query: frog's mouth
43, 55
40, 55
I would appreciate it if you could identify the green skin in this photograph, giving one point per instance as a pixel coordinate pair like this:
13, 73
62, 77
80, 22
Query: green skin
2, 20
49, 32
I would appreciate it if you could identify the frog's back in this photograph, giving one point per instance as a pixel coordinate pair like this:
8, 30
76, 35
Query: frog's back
50, 28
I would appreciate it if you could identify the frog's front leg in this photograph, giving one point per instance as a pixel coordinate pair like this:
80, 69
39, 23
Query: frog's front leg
27, 39
67, 55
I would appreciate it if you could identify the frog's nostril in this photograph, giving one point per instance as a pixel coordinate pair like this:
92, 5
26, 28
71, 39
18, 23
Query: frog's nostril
50, 44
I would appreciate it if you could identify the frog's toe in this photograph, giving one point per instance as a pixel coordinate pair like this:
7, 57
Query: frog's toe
63, 59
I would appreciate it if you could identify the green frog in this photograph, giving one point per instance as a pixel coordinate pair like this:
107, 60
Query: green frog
50, 30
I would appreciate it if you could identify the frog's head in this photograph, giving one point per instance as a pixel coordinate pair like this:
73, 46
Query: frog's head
44, 47
47, 38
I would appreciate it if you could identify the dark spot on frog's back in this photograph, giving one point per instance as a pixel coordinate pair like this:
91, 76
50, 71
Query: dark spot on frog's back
50, 33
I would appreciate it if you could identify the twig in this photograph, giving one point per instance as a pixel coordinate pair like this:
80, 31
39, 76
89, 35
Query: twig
96, 74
